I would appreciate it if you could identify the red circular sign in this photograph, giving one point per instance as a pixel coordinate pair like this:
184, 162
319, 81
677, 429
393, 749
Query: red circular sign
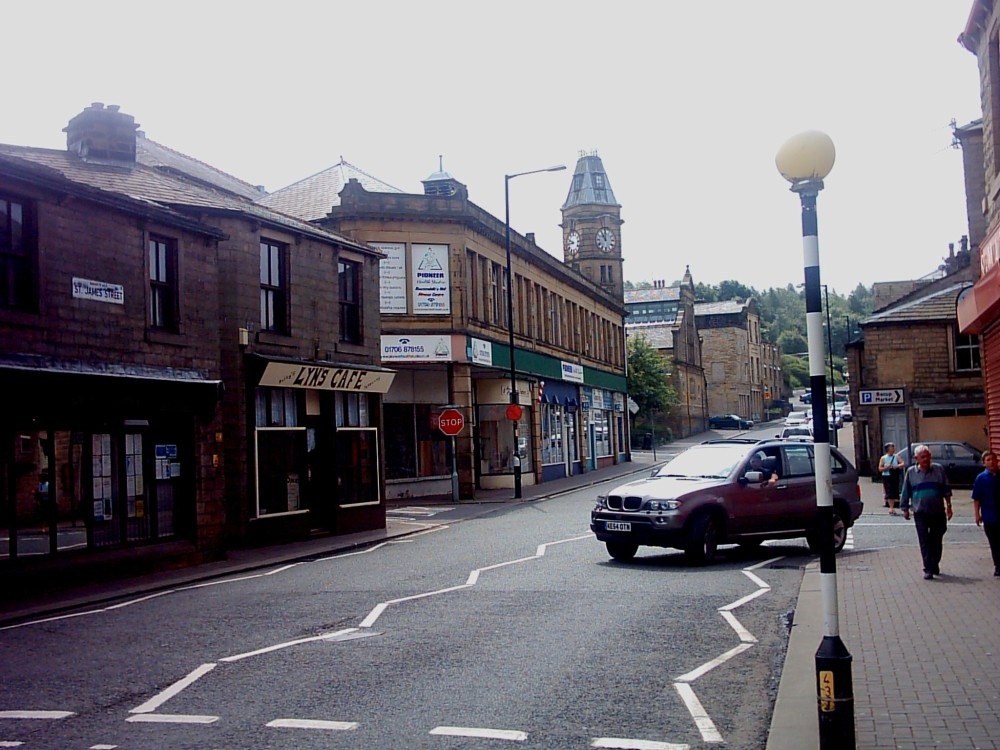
451, 422
514, 412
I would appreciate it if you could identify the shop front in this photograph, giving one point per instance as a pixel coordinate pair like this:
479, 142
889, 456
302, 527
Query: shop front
978, 310
102, 460
495, 444
316, 447
559, 407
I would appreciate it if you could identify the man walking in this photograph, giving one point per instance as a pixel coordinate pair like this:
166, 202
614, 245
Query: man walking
984, 500
926, 486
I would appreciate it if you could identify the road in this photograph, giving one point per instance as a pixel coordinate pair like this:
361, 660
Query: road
511, 629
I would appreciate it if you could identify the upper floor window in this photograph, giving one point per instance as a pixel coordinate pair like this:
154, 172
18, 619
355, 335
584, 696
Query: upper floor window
273, 287
967, 356
349, 285
163, 283
17, 255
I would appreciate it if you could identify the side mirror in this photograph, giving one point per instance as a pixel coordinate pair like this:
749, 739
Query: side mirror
754, 477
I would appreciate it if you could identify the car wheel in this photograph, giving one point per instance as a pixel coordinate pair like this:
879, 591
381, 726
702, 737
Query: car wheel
703, 540
623, 551
839, 535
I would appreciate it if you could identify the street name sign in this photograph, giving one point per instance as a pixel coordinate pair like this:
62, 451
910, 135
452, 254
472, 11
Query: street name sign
886, 396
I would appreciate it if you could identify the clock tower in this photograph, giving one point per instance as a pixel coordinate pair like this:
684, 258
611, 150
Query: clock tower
591, 226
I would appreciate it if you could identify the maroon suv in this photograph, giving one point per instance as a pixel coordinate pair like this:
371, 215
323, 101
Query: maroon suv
726, 491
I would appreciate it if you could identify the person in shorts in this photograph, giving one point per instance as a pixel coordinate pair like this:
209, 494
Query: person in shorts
891, 467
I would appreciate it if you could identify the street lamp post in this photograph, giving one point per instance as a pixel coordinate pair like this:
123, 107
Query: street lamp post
514, 414
829, 347
804, 160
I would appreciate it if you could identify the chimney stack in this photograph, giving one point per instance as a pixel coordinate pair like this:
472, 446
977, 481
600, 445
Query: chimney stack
102, 135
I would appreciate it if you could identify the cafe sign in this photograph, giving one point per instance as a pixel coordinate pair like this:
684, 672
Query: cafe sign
323, 378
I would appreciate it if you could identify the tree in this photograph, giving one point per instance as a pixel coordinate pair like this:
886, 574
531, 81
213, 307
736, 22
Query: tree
649, 383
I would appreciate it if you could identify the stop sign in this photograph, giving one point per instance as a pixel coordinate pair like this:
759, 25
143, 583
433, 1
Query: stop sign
451, 422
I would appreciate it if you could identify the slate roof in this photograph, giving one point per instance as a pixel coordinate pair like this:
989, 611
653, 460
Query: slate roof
729, 307
583, 189
663, 294
659, 335
312, 198
152, 186
154, 154
939, 305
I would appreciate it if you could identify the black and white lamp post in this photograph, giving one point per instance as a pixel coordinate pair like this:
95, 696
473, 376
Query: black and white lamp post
804, 160
514, 408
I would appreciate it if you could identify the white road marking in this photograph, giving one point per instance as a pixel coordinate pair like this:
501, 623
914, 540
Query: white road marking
339, 726
472, 580
762, 584
103, 747
701, 719
10, 743
492, 734
744, 600
708, 666
745, 635
623, 744
158, 700
36, 714
418, 510
172, 719
288, 644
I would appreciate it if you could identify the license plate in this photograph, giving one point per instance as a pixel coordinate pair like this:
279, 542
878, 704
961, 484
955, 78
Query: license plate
617, 526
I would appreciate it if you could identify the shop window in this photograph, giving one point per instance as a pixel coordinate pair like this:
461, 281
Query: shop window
357, 467
553, 439
273, 287
18, 260
163, 283
602, 432
414, 447
349, 284
496, 438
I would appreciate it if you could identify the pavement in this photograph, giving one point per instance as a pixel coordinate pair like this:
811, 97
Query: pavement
924, 653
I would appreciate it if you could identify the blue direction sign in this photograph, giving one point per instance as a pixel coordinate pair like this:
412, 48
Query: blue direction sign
887, 396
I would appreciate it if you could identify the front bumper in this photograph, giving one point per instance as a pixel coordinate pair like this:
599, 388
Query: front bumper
645, 529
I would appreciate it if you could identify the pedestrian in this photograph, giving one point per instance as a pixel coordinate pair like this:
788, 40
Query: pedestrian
891, 466
985, 502
925, 485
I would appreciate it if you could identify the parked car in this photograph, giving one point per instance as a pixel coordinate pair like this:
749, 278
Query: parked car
845, 413
729, 422
722, 492
962, 461
797, 419
806, 398
803, 432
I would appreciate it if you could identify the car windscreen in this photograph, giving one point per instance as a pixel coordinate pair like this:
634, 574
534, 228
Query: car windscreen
704, 461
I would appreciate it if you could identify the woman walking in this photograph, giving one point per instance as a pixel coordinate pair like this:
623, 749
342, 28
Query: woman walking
891, 467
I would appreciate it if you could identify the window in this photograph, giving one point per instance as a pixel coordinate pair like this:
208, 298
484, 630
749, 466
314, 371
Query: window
273, 287
414, 446
967, 352
349, 279
494, 294
163, 283
17, 260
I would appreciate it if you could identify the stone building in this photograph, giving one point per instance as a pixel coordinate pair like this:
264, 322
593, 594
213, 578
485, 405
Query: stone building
185, 378
664, 316
731, 351
446, 329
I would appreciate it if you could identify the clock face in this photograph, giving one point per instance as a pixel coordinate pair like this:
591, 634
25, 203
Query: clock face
606, 239
573, 242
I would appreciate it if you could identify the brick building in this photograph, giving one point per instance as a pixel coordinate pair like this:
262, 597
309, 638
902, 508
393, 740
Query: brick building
445, 328
664, 316
731, 351
187, 375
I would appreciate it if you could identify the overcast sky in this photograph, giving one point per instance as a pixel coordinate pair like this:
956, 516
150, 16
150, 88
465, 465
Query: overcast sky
685, 102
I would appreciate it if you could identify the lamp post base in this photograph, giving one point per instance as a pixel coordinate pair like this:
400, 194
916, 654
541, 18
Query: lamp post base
835, 695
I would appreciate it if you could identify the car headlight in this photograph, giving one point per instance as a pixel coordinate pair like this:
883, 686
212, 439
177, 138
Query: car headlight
661, 505
602, 502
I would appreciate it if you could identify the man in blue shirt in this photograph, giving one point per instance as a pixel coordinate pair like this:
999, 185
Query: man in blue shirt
926, 487
984, 500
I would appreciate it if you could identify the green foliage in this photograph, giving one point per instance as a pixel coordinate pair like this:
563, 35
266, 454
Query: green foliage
649, 381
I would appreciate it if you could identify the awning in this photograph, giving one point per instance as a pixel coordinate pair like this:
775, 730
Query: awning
324, 376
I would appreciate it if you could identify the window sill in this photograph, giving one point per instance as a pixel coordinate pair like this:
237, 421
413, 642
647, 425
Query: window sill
345, 348
168, 338
270, 338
